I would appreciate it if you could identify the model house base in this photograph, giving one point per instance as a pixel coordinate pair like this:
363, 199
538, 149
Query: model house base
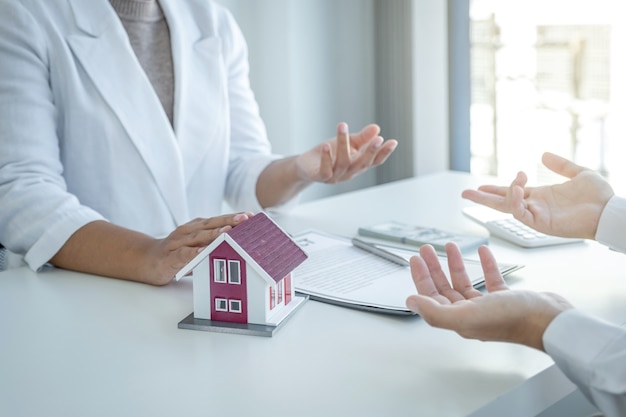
264, 330
243, 280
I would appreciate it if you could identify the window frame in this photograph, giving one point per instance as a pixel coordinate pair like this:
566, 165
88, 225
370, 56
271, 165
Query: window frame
234, 310
217, 306
219, 272
230, 272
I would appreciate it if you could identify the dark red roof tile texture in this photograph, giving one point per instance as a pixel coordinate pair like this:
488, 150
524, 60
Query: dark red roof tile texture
270, 247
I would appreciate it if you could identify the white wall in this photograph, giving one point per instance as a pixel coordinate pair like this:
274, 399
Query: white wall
431, 110
312, 66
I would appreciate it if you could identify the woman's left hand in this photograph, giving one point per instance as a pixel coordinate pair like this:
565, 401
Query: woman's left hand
345, 156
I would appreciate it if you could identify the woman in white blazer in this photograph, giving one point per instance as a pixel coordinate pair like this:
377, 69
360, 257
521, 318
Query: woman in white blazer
95, 178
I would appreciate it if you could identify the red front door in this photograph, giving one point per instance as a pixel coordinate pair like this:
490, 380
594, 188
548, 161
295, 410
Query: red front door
228, 285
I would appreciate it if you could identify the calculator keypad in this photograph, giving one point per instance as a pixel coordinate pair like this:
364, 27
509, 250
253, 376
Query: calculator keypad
506, 227
519, 229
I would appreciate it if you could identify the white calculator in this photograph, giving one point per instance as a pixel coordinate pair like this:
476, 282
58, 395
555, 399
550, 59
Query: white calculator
506, 227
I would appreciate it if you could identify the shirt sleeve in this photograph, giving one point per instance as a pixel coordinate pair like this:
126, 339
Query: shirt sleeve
612, 225
592, 354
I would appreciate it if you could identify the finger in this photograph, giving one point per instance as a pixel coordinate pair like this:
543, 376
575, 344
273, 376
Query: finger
342, 160
370, 150
515, 203
422, 305
518, 207
499, 197
439, 277
561, 166
493, 277
488, 198
366, 134
173, 261
202, 231
216, 222
423, 281
374, 154
499, 190
384, 151
198, 238
194, 226
326, 163
458, 274
437, 315
180, 257
365, 160
520, 180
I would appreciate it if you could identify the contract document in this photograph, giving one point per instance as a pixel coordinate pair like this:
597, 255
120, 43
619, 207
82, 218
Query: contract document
340, 273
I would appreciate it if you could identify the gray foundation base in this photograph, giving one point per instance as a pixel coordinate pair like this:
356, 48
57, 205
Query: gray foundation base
192, 323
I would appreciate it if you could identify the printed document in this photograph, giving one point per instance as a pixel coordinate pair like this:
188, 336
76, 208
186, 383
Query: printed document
340, 273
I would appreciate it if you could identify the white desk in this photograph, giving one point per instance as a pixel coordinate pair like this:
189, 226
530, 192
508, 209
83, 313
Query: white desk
79, 345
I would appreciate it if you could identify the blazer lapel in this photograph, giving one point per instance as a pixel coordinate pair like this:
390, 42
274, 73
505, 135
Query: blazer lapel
201, 90
124, 85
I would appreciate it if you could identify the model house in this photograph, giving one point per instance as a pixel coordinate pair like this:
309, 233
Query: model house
245, 276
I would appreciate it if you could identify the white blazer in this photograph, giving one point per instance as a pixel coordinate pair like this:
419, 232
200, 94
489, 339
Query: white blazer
83, 135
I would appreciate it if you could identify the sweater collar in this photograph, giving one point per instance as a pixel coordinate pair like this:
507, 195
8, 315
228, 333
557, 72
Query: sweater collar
138, 10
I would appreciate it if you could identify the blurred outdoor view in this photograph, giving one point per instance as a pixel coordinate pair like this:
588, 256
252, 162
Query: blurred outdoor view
548, 75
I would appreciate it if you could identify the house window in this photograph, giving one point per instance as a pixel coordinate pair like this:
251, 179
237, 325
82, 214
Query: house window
219, 270
234, 306
220, 304
234, 276
279, 287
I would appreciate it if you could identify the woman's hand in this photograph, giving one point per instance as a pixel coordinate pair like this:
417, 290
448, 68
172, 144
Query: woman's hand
345, 156
338, 159
106, 249
165, 257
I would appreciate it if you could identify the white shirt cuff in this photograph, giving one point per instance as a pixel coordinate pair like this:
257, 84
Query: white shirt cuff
612, 225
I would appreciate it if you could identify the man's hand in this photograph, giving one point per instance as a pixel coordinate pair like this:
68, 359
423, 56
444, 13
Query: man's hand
570, 209
501, 315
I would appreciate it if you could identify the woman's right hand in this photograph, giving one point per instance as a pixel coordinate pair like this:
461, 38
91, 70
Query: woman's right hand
103, 248
165, 257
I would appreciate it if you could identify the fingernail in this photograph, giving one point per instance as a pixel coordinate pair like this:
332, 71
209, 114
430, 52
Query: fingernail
240, 217
343, 128
378, 142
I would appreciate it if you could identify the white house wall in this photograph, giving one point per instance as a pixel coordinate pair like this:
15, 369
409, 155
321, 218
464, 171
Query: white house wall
257, 297
201, 291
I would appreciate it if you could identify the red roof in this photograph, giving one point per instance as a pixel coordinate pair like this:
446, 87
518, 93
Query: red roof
270, 247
